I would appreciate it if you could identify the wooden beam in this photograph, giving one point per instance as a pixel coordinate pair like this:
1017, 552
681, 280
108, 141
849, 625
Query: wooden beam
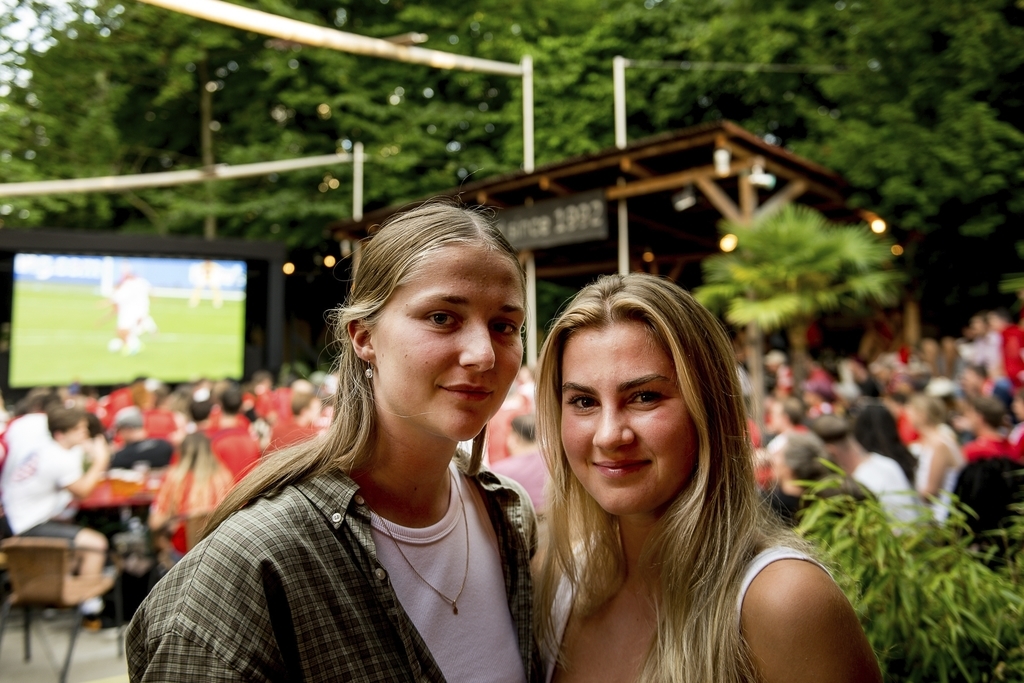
672, 181
604, 162
609, 267
484, 199
677, 268
548, 185
627, 165
791, 191
748, 198
812, 186
721, 201
675, 233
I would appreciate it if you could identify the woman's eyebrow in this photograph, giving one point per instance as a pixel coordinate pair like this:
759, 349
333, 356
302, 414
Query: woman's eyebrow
624, 386
640, 381
457, 300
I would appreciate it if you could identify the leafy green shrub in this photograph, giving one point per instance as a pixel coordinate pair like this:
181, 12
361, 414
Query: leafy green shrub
934, 606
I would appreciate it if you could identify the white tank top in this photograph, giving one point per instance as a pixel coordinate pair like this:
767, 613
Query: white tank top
762, 560
480, 643
562, 606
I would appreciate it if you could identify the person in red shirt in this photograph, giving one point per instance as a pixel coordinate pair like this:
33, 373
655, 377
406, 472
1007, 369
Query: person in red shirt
230, 439
305, 410
986, 417
1013, 345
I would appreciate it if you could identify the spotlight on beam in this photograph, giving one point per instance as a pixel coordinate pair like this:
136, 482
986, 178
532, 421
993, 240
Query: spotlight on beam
758, 178
684, 199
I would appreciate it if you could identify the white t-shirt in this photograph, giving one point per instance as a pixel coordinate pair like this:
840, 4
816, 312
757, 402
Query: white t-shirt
36, 475
885, 478
480, 644
132, 299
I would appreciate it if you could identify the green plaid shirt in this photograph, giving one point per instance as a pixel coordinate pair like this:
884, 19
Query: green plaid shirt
290, 589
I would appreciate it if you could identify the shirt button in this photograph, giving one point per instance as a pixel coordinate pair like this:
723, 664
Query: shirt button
336, 517
380, 573
359, 500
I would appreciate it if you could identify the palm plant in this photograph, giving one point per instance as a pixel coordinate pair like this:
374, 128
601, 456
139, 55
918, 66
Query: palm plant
793, 266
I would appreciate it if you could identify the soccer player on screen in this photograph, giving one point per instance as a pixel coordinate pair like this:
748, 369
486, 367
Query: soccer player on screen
131, 300
206, 275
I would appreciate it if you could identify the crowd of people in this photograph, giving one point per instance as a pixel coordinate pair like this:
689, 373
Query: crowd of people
59, 443
912, 426
384, 525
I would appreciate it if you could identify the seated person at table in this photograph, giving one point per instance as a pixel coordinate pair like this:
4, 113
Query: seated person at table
45, 472
130, 429
305, 410
196, 484
230, 438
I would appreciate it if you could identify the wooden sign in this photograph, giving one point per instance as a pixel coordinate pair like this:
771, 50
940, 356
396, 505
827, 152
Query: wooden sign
573, 219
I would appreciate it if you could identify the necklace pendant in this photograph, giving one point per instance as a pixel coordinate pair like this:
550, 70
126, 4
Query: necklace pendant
455, 608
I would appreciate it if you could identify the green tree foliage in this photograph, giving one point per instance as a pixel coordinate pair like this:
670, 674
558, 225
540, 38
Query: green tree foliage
793, 266
934, 608
117, 90
923, 120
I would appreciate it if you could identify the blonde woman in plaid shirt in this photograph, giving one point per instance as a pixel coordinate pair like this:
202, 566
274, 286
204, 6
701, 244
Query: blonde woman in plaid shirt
376, 552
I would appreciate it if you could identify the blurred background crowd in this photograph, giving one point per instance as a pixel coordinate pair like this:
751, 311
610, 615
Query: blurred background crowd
145, 464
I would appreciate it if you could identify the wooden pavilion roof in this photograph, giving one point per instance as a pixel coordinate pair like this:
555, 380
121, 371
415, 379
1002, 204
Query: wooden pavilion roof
647, 173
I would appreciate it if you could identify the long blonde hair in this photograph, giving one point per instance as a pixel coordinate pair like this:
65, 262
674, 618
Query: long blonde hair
209, 479
702, 545
389, 259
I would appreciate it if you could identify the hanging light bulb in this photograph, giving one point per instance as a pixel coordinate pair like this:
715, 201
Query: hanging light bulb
728, 242
878, 226
722, 159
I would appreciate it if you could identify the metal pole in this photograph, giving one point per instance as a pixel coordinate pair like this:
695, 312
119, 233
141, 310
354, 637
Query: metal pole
319, 36
619, 86
275, 316
206, 141
531, 309
357, 182
623, 236
527, 66
167, 178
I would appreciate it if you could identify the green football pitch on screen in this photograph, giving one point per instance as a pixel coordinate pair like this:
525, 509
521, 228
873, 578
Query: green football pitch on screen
63, 333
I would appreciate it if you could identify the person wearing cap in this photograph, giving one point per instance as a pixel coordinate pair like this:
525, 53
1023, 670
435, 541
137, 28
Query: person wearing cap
130, 429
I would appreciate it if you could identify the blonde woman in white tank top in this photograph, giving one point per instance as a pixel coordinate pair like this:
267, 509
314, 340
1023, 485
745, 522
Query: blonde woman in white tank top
663, 566
939, 457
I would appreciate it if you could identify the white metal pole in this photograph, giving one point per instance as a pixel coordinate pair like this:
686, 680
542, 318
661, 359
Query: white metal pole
531, 309
320, 36
527, 66
619, 87
166, 178
357, 182
623, 237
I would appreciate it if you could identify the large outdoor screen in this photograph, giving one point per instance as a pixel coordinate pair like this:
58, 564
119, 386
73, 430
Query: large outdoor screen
109, 319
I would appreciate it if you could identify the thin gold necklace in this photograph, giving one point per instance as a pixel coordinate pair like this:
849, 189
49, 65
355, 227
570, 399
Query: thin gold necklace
451, 601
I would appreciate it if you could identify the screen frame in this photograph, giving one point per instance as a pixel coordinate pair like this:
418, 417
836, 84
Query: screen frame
264, 290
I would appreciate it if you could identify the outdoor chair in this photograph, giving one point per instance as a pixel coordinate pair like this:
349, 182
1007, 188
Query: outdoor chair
40, 575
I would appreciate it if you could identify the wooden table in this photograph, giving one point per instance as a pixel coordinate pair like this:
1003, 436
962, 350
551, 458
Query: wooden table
120, 494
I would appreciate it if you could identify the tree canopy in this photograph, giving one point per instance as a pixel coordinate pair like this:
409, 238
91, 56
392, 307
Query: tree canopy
922, 115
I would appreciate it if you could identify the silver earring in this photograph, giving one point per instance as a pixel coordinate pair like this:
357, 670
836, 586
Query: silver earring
369, 372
